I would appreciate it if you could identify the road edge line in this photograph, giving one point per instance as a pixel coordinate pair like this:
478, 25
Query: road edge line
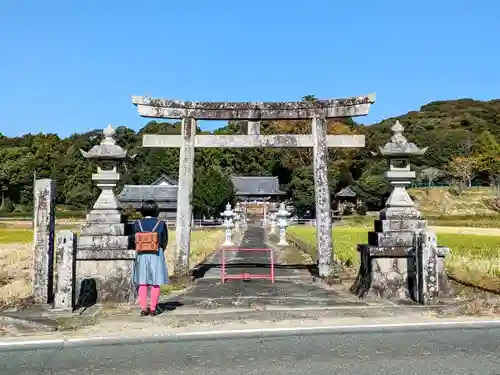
17, 344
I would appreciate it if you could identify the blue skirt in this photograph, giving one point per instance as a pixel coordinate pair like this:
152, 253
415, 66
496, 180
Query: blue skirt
150, 269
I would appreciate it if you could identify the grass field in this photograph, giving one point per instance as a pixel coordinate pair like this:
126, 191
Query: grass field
15, 235
16, 258
469, 221
473, 259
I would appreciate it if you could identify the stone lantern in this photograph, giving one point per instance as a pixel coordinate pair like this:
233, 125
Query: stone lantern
228, 224
398, 152
245, 214
243, 217
273, 218
401, 252
104, 252
108, 155
282, 215
237, 216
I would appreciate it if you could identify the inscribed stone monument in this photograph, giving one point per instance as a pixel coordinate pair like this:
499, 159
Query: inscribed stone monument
44, 195
64, 285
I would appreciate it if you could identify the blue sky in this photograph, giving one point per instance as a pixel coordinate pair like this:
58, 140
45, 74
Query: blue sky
68, 66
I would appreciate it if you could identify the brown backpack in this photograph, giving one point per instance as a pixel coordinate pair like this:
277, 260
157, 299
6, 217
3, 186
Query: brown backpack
147, 241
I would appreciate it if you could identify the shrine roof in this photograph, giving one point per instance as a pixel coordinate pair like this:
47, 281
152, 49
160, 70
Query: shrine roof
165, 180
141, 193
346, 192
256, 185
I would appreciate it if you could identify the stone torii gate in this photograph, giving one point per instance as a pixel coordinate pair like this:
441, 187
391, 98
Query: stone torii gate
318, 111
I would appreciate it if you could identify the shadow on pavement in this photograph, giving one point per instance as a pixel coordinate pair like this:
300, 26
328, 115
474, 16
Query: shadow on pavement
200, 272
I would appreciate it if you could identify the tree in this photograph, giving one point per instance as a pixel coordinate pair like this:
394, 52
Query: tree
80, 196
487, 155
464, 168
372, 189
431, 174
212, 191
16, 173
309, 98
301, 188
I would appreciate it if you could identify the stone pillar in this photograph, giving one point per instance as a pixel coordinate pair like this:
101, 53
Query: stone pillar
322, 195
64, 297
264, 221
431, 277
184, 196
43, 240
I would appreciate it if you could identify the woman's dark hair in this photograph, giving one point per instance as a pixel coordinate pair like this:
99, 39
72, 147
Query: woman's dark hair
149, 208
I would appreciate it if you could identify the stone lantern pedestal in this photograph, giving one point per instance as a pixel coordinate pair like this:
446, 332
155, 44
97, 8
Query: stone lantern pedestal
105, 258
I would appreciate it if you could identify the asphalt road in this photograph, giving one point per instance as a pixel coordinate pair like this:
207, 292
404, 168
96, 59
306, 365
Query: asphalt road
473, 351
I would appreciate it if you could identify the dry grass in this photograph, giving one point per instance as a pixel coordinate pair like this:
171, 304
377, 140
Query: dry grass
203, 243
440, 200
16, 263
16, 259
482, 272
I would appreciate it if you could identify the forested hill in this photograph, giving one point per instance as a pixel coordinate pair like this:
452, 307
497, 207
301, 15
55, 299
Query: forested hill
461, 134
449, 128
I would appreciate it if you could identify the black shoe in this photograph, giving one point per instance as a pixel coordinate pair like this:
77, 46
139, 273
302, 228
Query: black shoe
154, 312
145, 312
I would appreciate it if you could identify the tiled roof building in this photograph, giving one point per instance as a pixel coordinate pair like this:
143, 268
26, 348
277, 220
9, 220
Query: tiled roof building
256, 187
163, 191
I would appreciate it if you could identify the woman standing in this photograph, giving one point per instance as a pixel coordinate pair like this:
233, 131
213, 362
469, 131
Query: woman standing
150, 269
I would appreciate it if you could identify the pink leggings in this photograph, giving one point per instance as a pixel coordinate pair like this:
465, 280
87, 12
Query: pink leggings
143, 296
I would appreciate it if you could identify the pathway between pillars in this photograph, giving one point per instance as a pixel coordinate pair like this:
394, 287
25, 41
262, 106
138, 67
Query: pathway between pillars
252, 262
293, 287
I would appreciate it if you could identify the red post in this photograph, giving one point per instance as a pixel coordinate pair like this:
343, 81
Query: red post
247, 276
272, 265
223, 266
